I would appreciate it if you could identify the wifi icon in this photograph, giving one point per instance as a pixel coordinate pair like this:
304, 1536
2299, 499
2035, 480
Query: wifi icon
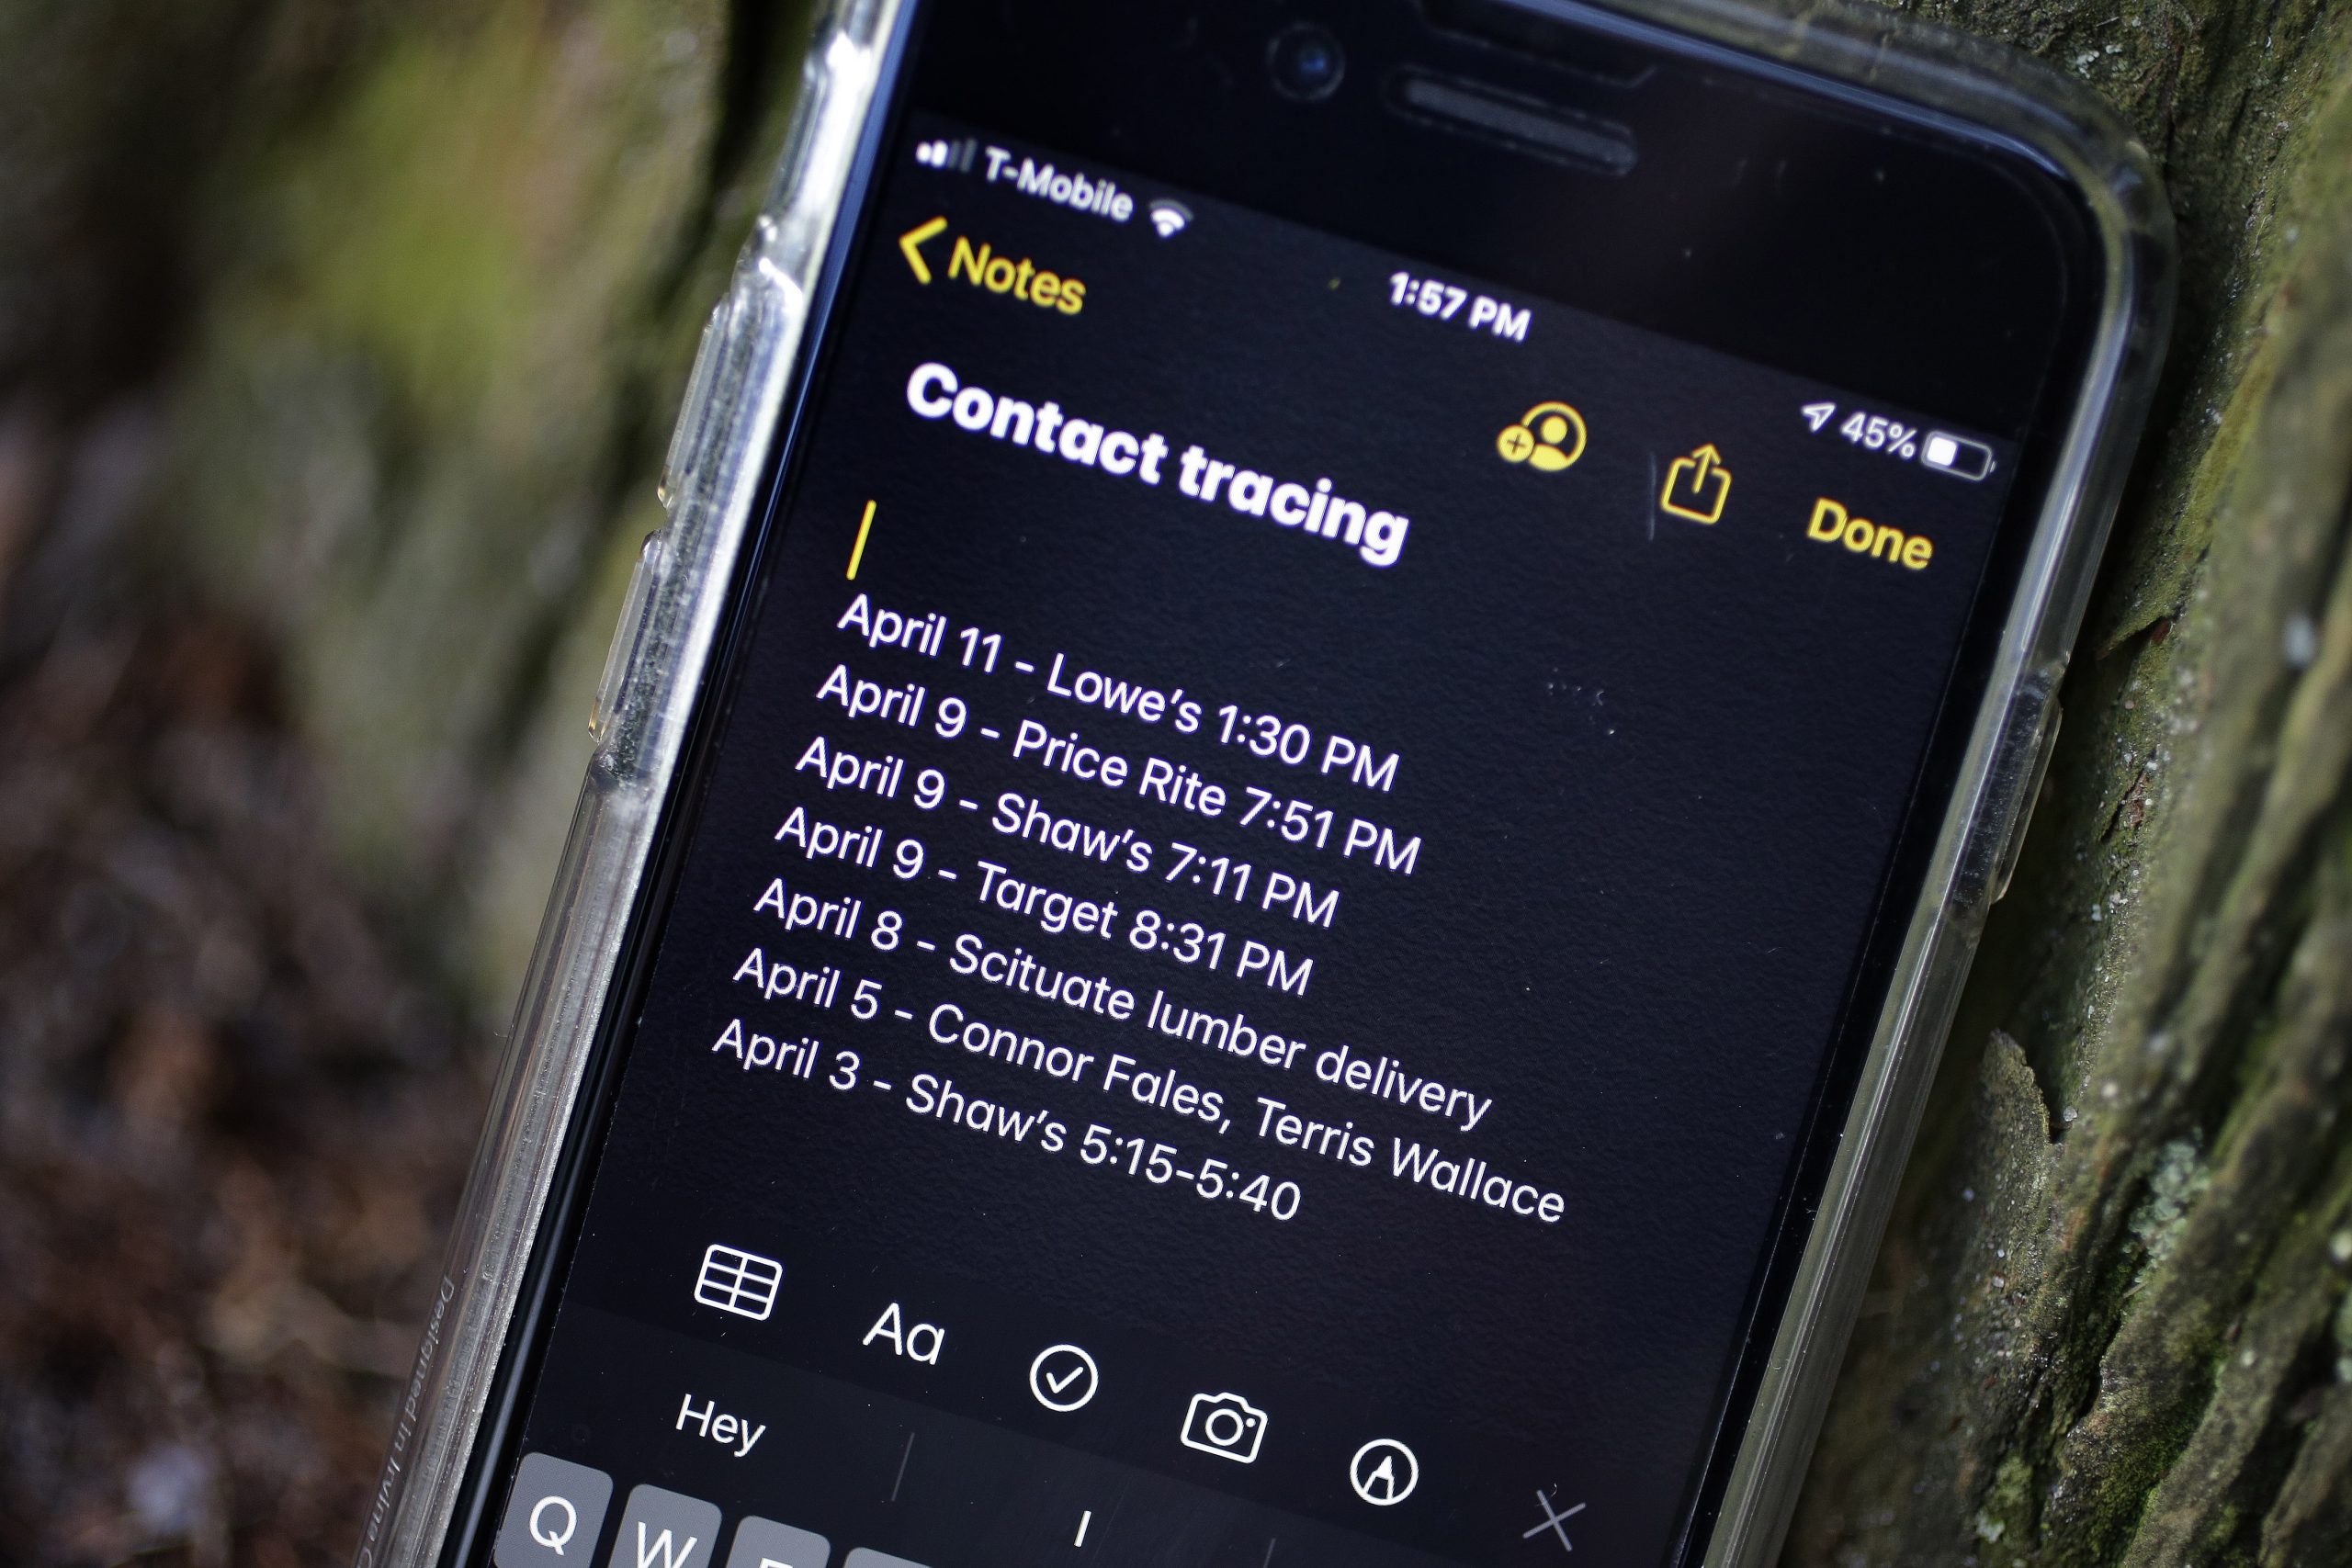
1168, 218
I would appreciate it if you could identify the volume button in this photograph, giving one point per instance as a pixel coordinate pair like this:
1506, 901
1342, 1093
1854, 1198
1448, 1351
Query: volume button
632, 638
2005, 866
693, 411
1990, 853
715, 390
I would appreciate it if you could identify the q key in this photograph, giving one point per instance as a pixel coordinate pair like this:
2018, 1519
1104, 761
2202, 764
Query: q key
553, 1514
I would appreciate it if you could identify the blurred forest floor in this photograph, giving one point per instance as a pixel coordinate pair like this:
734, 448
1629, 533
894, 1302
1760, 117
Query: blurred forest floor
232, 1120
284, 769
338, 345
235, 1100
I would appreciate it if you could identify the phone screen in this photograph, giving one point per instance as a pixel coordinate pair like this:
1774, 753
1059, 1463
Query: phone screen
1266, 917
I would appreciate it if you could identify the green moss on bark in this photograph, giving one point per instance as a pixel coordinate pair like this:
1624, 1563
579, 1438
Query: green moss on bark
2176, 961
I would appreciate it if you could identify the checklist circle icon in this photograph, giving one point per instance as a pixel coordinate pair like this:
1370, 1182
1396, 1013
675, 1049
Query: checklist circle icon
1063, 1378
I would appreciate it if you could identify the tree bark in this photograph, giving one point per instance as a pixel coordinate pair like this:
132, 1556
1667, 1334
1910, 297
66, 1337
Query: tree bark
426, 280
2109, 1323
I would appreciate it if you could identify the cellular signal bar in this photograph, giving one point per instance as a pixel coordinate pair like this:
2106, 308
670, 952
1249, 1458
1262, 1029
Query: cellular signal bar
940, 153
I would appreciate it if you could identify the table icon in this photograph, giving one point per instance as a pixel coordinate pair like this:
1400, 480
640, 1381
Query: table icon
1064, 1378
742, 1282
1383, 1472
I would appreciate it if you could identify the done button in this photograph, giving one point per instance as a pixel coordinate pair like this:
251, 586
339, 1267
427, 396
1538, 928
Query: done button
1833, 525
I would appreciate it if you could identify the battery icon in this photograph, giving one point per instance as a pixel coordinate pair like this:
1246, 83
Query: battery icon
1955, 455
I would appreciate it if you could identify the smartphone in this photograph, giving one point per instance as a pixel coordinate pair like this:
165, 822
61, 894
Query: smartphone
1281, 838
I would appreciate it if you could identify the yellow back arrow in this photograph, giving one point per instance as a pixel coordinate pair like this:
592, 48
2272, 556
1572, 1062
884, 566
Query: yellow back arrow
912, 242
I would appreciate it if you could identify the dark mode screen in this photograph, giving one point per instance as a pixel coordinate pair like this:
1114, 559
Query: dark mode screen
1283, 851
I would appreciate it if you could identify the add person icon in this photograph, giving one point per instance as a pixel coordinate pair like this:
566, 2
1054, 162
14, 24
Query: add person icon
1548, 439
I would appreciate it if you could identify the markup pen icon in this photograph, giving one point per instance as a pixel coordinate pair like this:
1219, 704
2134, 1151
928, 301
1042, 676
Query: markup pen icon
1696, 486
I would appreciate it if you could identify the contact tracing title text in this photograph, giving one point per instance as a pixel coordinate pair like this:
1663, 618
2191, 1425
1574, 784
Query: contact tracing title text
934, 392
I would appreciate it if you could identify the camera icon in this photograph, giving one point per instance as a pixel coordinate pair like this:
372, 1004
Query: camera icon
1224, 1425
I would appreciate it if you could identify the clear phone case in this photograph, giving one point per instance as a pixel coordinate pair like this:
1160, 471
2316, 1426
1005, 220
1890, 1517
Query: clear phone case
749, 358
